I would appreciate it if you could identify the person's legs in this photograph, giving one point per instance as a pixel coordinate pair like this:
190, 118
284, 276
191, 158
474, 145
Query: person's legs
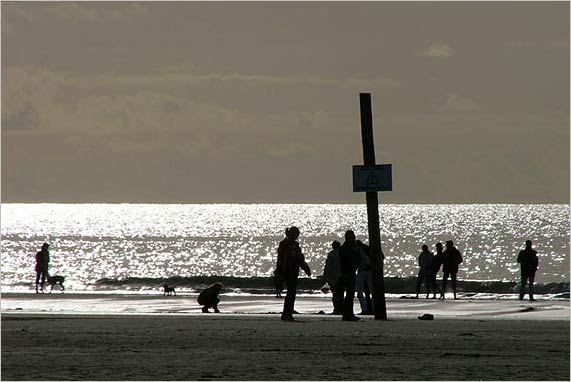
444, 281
428, 284
349, 281
453, 278
522, 286
215, 304
337, 298
419, 279
43, 278
531, 277
38, 273
368, 291
291, 285
359, 287
435, 287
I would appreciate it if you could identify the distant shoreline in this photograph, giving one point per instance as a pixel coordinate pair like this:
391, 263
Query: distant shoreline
264, 286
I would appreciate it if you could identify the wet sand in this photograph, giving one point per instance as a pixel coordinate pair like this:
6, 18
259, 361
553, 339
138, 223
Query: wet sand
498, 341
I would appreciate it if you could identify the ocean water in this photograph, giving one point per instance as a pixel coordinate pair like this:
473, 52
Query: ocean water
95, 242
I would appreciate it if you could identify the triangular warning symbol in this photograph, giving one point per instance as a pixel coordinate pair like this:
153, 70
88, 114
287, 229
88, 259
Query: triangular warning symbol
372, 179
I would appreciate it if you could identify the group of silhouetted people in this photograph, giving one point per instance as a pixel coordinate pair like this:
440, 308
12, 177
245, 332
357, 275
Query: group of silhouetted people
430, 265
347, 269
451, 258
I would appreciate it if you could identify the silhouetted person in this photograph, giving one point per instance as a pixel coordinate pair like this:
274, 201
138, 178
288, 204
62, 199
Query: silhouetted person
350, 257
209, 298
436, 265
332, 272
290, 260
425, 271
528, 261
42, 264
364, 279
451, 258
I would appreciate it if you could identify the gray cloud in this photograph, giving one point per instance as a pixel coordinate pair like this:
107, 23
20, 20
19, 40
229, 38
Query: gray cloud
441, 50
75, 12
456, 102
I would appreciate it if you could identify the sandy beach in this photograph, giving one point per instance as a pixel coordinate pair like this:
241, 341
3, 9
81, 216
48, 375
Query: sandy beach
468, 340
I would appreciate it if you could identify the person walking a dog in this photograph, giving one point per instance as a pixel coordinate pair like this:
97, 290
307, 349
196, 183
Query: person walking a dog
290, 260
42, 264
209, 298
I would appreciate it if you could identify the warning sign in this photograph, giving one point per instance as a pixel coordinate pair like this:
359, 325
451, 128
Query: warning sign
372, 178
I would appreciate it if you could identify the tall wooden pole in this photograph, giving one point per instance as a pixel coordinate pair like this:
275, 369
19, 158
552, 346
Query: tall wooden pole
380, 308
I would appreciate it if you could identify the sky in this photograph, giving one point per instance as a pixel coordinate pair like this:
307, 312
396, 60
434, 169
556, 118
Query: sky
258, 102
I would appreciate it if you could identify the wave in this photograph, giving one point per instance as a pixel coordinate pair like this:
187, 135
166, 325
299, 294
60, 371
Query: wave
265, 285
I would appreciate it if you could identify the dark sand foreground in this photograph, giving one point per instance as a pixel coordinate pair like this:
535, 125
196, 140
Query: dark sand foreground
261, 347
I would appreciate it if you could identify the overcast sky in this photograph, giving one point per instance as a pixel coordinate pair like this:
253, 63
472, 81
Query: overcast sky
259, 102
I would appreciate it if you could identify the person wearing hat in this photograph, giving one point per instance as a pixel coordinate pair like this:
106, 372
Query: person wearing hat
527, 258
42, 263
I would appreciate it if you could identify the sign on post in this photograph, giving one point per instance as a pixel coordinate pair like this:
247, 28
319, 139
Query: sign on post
372, 178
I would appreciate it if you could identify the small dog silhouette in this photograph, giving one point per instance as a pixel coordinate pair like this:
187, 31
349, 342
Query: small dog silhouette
168, 290
53, 280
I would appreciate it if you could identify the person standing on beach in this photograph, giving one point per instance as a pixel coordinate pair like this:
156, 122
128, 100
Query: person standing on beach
332, 272
364, 279
425, 271
209, 298
527, 258
451, 258
42, 264
350, 258
290, 260
436, 265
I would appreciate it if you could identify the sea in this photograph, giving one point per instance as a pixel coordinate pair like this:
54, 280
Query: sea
136, 248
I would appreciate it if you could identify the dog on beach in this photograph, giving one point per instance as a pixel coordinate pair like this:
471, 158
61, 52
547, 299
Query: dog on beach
168, 290
53, 280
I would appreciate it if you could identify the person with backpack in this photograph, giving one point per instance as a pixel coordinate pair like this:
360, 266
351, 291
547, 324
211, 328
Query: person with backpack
290, 260
451, 259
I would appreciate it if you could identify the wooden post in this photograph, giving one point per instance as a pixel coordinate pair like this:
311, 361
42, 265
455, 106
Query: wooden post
379, 303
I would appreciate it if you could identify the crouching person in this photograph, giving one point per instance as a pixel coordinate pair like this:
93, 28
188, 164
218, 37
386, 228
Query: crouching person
209, 298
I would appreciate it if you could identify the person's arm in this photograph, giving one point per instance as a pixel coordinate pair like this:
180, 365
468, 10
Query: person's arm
520, 257
327, 268
535, 261
279, 264
303, 265
365, 261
